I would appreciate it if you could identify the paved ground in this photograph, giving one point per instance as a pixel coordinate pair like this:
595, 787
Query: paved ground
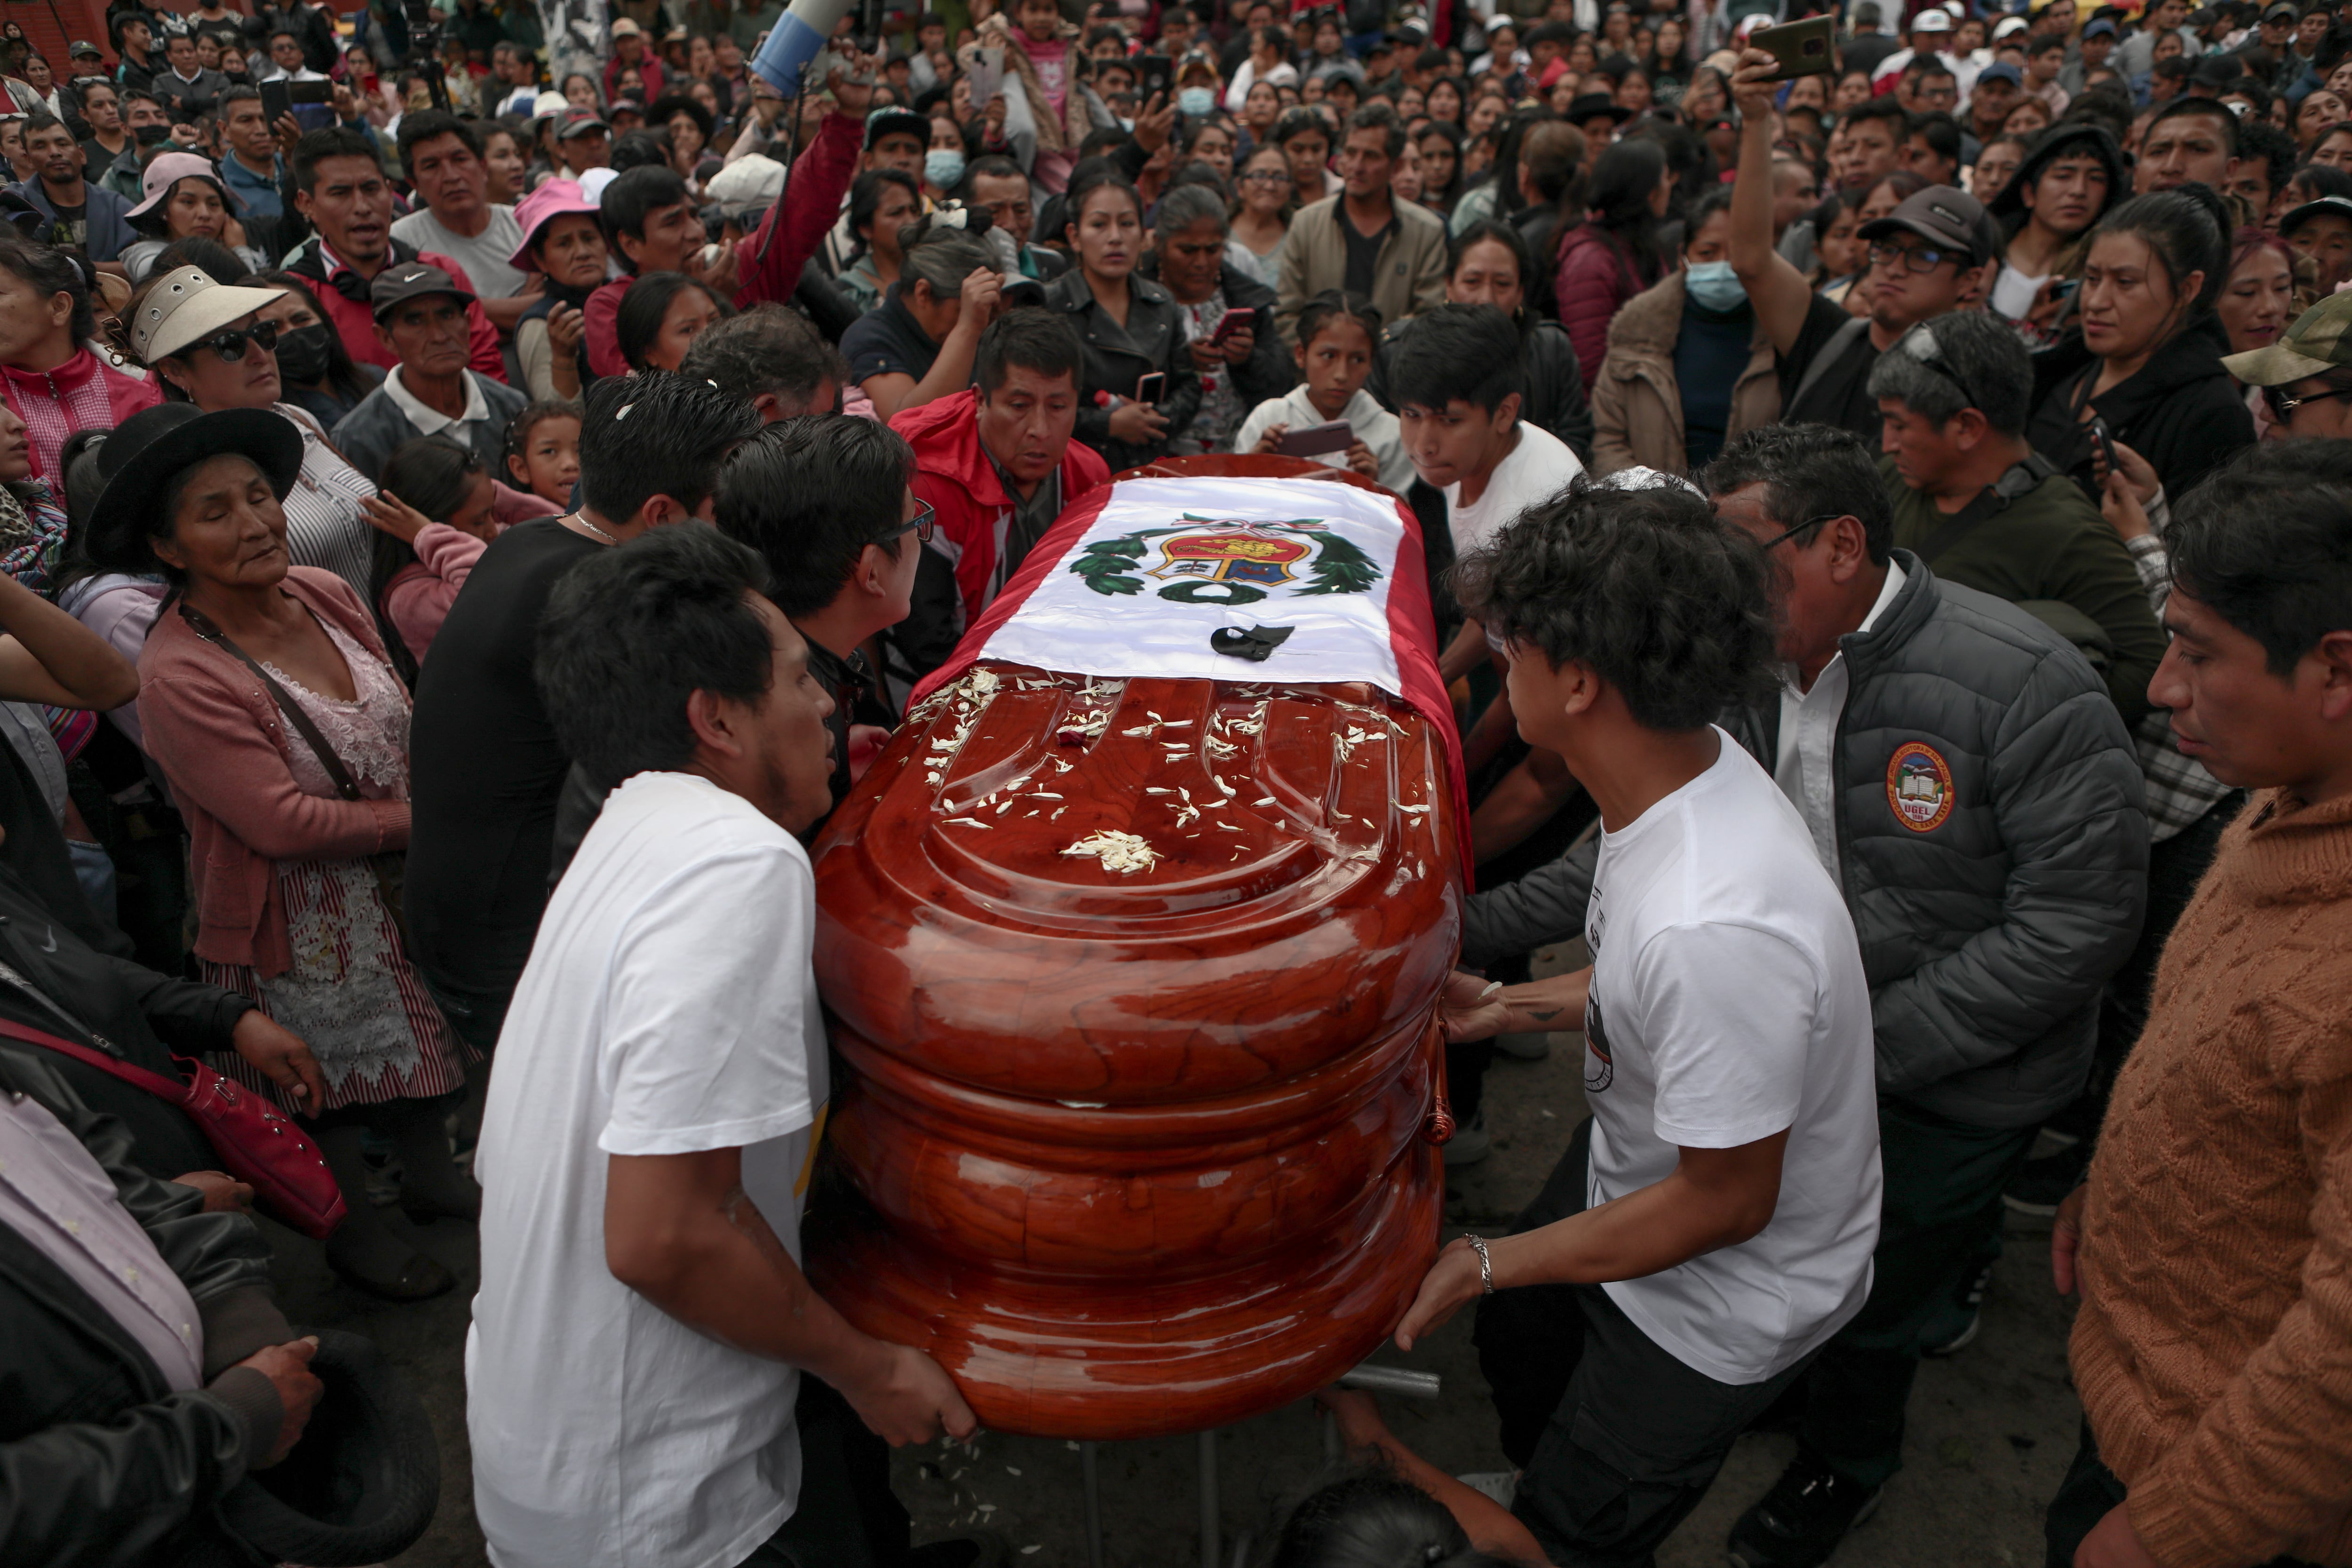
1992, 1430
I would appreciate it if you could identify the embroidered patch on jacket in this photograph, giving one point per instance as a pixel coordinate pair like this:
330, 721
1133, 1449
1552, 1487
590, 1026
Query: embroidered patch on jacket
1919, 786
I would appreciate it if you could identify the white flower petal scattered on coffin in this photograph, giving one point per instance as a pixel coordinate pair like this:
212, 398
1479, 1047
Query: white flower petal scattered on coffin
1118, 851
1267, 800
966, 822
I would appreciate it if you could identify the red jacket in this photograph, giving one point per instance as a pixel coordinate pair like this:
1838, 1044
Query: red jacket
1596, 275
227, 753
356, 321
811, 201
960, 484
81, 394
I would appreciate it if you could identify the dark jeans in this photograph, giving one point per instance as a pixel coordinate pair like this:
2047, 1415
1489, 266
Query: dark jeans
2088, 1494
1941, 1219
473, 1019
847, 1516
1618, 1439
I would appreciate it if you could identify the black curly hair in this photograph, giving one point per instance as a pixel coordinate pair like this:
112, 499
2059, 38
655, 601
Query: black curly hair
1666, 604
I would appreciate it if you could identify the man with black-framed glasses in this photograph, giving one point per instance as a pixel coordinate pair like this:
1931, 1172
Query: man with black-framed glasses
2306, 375
1934, 253
828, 502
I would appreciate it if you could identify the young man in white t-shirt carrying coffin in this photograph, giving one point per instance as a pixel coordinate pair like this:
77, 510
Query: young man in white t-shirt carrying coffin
1711, 1226
643, 1320
1965, 780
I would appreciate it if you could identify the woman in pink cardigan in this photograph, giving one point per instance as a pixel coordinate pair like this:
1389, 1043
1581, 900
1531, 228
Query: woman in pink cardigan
266, 699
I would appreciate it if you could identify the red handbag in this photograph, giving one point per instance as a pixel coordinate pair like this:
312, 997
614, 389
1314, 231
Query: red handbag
257, 1143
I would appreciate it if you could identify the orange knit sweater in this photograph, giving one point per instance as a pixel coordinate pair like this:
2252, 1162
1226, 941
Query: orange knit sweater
2213, 1352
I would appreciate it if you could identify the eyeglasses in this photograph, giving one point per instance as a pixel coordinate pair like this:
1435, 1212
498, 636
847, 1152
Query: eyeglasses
920, 525
2282, 405
230, 345
1799, 528
1915, 259
1266, 177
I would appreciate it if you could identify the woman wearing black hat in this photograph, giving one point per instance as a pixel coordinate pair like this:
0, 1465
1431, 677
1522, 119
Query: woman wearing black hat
268, 702
2066, 184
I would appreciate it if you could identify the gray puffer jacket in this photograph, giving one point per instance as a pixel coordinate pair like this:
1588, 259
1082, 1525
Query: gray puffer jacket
1994, 847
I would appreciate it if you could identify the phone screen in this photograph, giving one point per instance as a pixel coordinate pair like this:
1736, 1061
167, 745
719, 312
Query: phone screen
1151, 386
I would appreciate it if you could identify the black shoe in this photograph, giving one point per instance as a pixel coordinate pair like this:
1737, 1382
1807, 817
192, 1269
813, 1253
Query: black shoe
2041, 1185
1801, 1520
1971, 1303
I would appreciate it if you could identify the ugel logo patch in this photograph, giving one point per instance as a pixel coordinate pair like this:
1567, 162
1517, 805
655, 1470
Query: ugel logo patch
1919, 786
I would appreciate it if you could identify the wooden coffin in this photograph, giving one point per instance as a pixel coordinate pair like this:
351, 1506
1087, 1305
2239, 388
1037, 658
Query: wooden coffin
1148, 1148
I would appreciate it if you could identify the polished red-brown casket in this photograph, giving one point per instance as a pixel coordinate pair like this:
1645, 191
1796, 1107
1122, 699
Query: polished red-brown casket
1146, 1149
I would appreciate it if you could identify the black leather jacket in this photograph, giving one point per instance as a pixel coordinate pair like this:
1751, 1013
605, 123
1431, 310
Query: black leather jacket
100, 1463
1555, 384
1117, 357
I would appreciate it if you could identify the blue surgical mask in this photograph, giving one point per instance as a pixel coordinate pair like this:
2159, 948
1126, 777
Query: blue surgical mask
942, 167
1714, 286
1197, 102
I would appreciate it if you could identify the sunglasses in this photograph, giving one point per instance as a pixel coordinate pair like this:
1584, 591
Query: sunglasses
230, 345
2282, 405
920, 525
1921, 345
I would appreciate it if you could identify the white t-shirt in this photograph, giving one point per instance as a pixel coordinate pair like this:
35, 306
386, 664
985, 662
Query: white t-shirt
2013, 292
669, 1007
486, 256
1728, 1003
1537, 469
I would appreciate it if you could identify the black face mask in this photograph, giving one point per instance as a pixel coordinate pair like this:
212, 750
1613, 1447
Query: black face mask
302, 355
149, 135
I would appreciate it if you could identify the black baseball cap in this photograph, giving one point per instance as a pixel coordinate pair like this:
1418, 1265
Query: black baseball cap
1946, 214
406, 281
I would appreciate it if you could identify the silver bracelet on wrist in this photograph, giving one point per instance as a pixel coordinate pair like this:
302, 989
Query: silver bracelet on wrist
1485, 1263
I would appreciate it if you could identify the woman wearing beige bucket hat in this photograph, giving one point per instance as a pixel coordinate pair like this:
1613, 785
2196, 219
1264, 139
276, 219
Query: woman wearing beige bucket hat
207, 345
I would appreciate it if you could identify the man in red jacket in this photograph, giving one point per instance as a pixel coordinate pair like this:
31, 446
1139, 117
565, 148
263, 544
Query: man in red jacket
652, 223
340, 188
997, 464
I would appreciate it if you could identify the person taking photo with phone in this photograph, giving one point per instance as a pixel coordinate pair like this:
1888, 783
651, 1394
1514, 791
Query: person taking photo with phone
1932, 253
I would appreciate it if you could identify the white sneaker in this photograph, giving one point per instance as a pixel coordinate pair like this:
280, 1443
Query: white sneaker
1526, 1048
1471, 1142
1500, 1485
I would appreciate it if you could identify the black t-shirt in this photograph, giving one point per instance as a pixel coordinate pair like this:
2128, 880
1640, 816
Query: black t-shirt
887, 340
1840, 395
70, 230
485, 770
1364, 249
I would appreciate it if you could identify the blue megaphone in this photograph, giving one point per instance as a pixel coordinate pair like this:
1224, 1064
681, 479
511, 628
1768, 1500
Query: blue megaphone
798, 38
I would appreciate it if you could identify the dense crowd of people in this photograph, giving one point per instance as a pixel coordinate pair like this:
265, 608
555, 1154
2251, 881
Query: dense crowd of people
478, 485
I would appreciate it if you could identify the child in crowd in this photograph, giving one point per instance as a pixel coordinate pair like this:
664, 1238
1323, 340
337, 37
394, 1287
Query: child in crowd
432, 517
1336, 334
543, 452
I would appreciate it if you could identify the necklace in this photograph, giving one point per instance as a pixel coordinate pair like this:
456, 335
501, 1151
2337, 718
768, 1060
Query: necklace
582, 518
